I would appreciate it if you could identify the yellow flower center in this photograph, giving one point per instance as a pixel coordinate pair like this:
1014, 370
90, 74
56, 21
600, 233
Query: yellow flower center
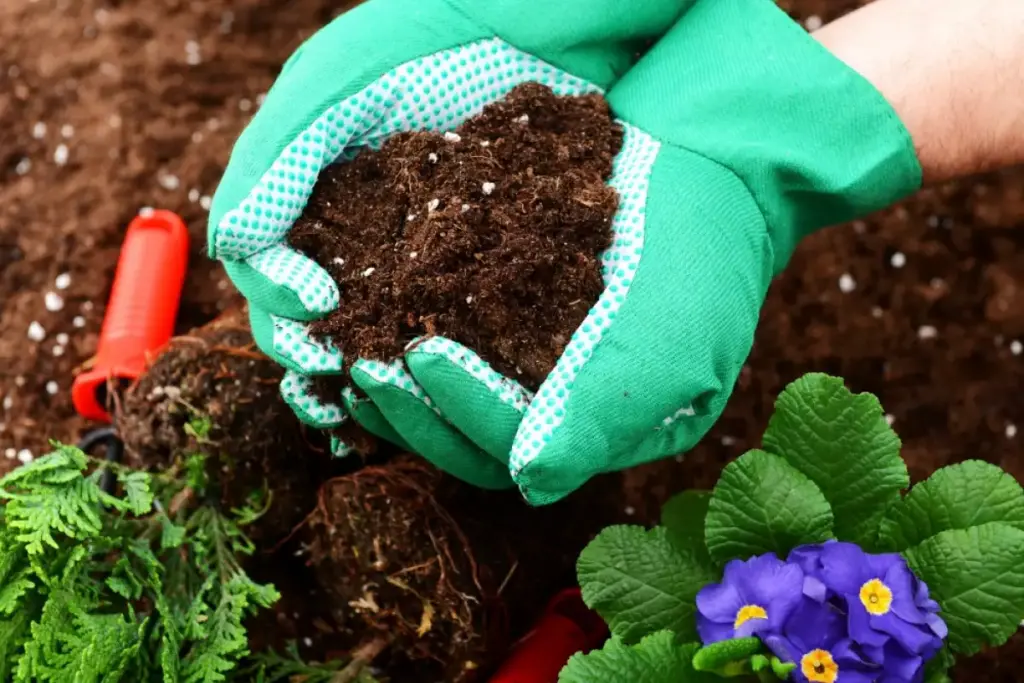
819, 667
748, 612
876, 597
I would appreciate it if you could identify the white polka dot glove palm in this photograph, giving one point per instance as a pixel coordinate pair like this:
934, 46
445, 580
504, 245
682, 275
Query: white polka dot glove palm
398, 65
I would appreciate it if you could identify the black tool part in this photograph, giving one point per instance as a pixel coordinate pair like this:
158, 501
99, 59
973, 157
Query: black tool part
115, 451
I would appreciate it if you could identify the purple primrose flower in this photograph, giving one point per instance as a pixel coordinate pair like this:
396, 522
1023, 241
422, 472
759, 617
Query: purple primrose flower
755, 596
815, 639
882, 598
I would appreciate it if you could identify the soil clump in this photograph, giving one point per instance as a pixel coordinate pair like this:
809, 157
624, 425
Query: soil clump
213, 394
446, 574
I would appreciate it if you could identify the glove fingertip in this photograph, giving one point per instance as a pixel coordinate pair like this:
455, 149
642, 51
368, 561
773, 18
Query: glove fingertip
297, 392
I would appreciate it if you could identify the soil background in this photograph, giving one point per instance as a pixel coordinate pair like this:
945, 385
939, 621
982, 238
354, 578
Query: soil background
147, 98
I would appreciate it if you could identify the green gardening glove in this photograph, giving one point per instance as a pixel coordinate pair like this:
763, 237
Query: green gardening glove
762, 137
385, 67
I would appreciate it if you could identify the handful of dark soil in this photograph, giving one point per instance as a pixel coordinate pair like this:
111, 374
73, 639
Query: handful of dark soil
442, 576
212, 393
490, 236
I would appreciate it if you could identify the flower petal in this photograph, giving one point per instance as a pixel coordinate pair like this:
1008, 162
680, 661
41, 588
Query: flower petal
861, 627
900, 663
815, 589
808, 557
713, 631
813, 625
782, 647
900, 582
719, 602
937, 625
912, 637
845, 568
752, 627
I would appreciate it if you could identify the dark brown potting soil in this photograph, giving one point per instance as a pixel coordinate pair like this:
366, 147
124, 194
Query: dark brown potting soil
491, 236
149, 99
212, 393
444, 576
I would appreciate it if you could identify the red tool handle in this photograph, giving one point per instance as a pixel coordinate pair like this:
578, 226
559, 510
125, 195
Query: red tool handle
566, 627
142, 308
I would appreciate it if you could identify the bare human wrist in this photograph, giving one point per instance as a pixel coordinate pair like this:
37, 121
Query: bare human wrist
953, 72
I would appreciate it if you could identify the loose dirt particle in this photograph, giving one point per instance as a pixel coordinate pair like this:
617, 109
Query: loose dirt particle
521, 246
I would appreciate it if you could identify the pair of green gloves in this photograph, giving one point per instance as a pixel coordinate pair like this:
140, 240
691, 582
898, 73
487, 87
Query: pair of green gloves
742, 135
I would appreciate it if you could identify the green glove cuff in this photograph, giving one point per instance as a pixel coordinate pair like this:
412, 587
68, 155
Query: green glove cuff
742, 84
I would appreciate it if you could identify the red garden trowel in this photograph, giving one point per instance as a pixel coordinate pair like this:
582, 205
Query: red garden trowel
142, 309
566, 627
139, 320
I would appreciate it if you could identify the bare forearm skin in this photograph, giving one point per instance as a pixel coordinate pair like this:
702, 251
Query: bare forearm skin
952, 69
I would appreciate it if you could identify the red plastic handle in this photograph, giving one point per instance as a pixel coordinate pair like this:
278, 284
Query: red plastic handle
142, 308
566, 627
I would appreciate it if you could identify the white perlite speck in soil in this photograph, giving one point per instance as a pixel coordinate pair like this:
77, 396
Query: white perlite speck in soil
63, 281
1011, 431
39, 130
53, 301
25, 456
60, 155
927, 332
52, 388
846, 283
24, 166
168, 181
36, 331
79, 321
1016, 347
488, 188
898, 260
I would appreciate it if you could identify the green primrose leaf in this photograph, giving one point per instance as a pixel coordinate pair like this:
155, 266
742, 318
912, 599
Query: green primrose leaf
639, 582
977, 577
935, 670
761, 504
655, 659
841, 441
683, 516
728, 657
955, 497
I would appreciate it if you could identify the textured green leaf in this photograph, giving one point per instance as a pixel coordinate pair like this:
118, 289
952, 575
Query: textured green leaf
843, 443
136, 491
935, 670
728, 657
655, 659
639, 582
683, 516
955, 497
171, 535
977, 577
761, 504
